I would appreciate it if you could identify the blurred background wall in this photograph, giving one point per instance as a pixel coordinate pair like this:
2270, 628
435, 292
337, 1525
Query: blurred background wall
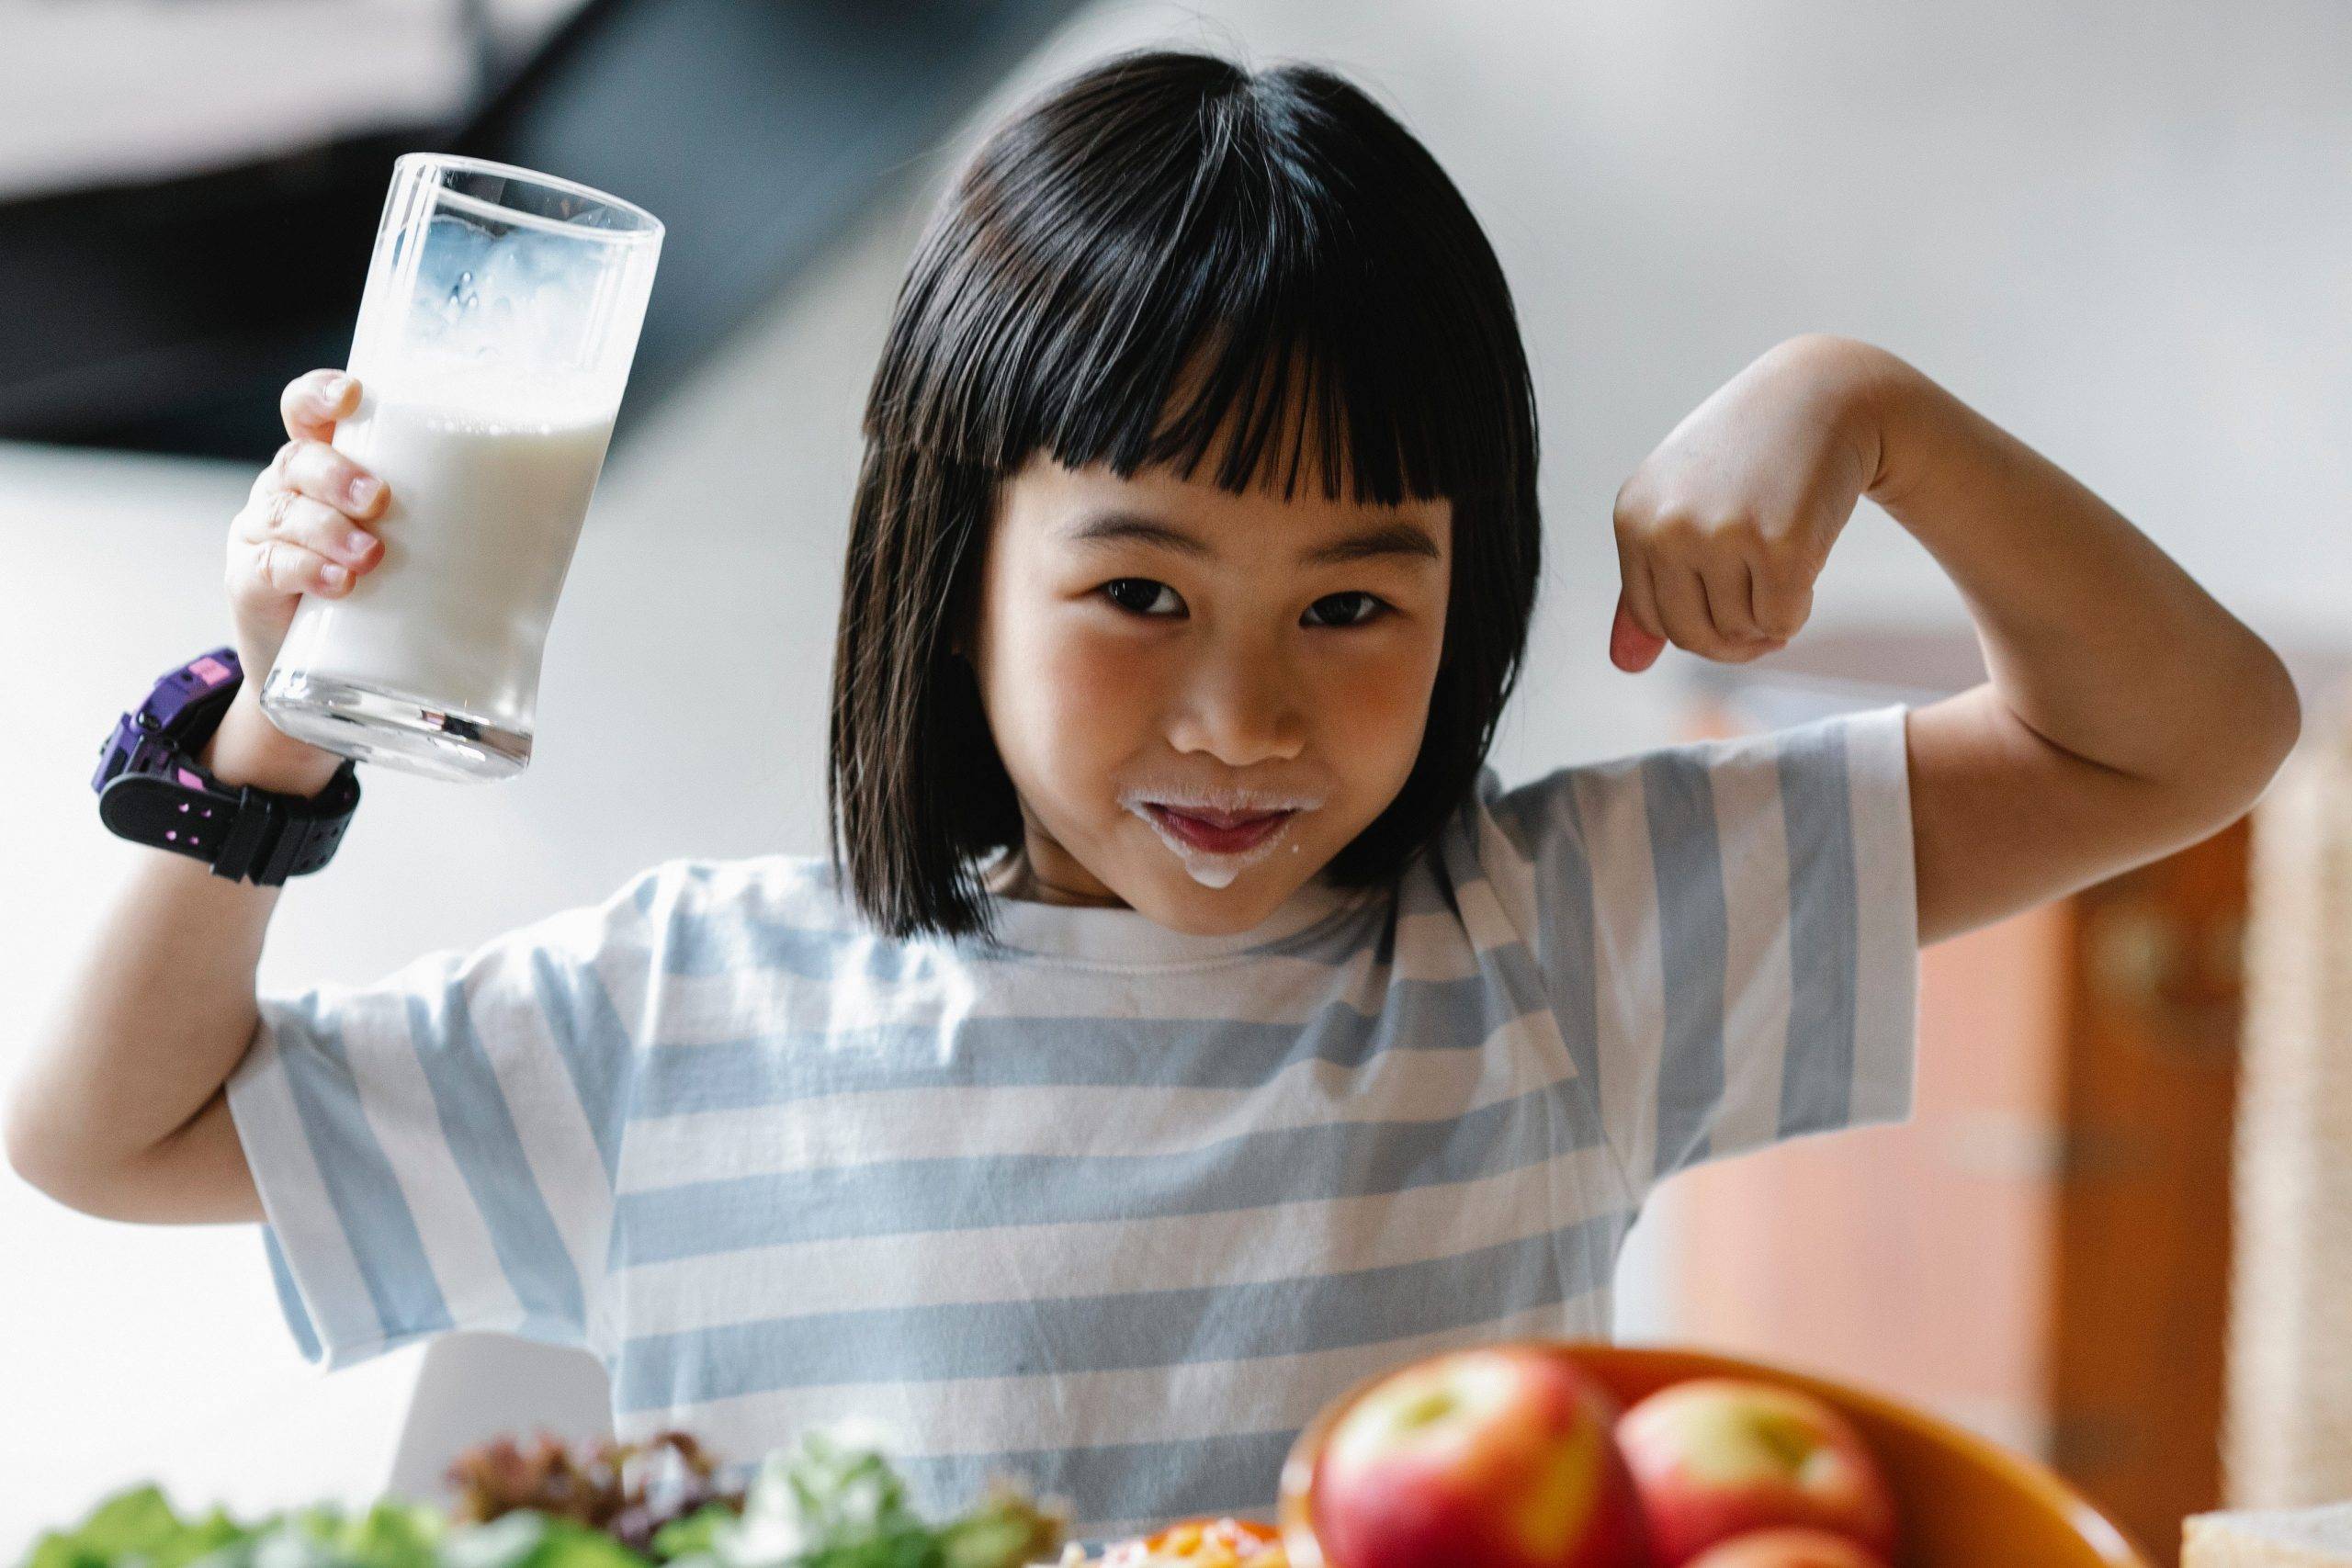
2114, 230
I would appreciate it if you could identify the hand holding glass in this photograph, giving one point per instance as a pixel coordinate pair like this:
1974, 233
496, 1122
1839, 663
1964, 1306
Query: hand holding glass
495, 335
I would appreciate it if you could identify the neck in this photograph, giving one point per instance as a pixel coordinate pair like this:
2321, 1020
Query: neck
1016, 879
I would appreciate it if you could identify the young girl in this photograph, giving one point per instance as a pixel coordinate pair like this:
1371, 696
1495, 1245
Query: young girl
1185, 1022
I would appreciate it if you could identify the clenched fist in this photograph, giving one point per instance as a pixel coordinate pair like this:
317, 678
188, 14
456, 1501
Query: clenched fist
1723, 528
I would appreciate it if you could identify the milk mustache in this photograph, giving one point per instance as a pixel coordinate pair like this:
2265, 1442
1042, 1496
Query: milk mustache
488, 497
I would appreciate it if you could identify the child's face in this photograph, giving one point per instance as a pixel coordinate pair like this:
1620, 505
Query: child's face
1245, 669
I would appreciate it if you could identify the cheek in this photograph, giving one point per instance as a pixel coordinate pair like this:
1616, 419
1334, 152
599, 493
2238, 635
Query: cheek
1383, 689
1390, 713
1078, 691
1373, 727
1383, 694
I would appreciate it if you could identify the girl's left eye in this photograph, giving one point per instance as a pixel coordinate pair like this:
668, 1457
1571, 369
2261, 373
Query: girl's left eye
1142, 591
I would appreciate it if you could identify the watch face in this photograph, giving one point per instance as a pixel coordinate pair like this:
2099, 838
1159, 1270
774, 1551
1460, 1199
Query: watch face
193, 694
161, 738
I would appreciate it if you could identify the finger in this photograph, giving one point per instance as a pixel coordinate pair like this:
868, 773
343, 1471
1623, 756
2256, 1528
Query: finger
288, 567
1631, 649
1636, 638
1723, 579
1640, 599
313, 400
1782, 605
324, 474
1682, 607
297, 519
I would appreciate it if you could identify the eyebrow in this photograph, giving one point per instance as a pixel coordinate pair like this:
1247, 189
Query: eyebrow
1396, 537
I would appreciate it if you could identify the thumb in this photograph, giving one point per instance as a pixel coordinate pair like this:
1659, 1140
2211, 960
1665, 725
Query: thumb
1631, 649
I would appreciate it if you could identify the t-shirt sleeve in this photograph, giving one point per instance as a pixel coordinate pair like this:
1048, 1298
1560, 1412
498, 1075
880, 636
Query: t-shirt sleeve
438, 1151
1728, 931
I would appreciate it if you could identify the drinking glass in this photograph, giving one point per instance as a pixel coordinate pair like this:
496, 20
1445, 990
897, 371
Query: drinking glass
495, 334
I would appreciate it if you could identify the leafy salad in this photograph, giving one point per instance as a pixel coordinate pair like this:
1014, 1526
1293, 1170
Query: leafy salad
825, 1504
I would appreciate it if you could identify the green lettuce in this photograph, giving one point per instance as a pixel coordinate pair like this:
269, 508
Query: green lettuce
821, 1505
138, 1529
831, 1505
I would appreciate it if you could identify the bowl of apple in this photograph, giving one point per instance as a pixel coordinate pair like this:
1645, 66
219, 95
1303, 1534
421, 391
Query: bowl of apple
1579, 1454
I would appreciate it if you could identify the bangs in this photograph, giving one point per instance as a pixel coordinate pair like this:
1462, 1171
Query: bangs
1241, 259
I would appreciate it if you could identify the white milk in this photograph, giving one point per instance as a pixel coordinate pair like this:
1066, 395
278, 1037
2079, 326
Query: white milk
484, 516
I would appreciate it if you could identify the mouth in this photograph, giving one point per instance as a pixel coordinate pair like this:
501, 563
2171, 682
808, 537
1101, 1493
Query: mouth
1223, 834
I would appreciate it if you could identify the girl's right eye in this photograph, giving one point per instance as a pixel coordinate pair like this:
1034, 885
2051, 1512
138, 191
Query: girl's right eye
1149, 590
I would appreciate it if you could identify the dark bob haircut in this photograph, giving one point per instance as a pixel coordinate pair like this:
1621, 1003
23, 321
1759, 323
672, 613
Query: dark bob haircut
1160, 206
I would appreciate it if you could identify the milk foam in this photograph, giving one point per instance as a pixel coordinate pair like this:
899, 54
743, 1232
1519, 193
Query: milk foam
1206, 866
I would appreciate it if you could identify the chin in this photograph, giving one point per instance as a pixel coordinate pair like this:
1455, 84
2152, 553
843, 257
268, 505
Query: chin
1209, 915
1201, 911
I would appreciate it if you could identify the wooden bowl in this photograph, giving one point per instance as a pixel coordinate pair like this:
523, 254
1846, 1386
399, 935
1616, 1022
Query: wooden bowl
1963, 1502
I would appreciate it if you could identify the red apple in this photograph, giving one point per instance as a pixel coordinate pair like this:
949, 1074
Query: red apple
1499, 1457
1787, 1549
1714, 1458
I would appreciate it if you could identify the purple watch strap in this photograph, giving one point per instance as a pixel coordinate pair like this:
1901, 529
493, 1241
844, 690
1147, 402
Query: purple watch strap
152, 791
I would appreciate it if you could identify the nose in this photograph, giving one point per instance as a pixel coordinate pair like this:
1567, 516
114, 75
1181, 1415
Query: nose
1239, 704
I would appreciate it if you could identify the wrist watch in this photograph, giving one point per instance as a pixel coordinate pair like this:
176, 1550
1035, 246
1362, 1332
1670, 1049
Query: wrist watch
152, 791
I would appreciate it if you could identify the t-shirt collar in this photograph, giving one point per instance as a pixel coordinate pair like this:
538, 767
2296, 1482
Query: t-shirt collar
1092, 934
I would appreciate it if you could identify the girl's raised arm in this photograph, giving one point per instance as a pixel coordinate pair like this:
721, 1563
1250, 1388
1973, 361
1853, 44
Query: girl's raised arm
2128, 715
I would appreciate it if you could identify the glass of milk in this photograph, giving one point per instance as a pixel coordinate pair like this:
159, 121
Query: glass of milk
494, 336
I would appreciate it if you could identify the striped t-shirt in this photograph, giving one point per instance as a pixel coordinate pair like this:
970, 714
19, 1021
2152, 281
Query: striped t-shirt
1111, 1207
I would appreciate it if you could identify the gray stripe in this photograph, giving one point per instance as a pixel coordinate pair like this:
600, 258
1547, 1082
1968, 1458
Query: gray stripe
595, 1045
289, 1299
645, 886
1816, 1085
360, 1185
483, 1139
1251, 1170
1694, 927
1539, 823
1017, 1051
1051, 1337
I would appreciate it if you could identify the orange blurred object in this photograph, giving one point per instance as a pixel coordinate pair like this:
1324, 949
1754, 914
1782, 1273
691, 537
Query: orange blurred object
1787, 1549
1202, 1543
1964, 1502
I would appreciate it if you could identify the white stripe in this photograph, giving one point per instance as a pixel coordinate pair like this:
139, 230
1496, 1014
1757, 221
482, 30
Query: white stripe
1431, 947
1629, 981
1399, 1084
558, 1145
766, 1001
294, 1202
763, 1002
1886, 999
628, 974
1143, 1405
1754, 840
610, 939
1014, 1263
398, 1102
